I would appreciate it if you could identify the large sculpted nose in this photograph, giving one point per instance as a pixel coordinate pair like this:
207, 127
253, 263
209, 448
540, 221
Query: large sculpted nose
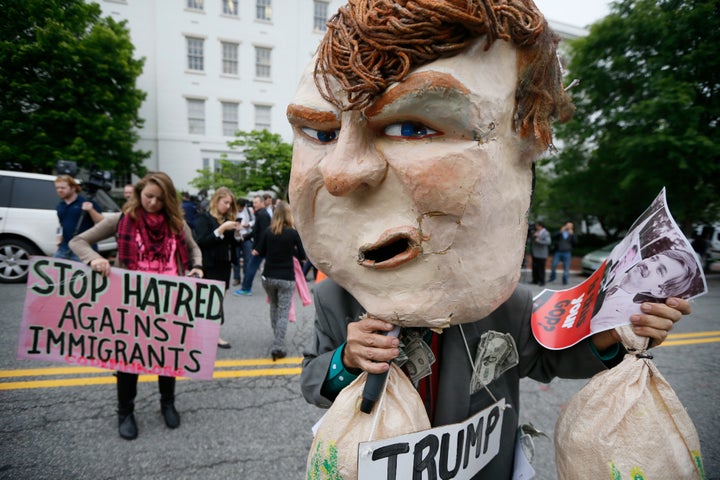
354, 164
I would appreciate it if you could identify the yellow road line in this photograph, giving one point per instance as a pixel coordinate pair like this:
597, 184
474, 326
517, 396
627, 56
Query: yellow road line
41, 372
224, 368
673, 336
257, 361
110, 379
262, 372
693, 338
671, 343
67, 382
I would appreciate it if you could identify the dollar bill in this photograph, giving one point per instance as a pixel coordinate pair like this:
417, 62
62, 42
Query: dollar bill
511, 359
419, 359
496, 354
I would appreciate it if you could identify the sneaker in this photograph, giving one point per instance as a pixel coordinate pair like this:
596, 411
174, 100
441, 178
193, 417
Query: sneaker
235, 283
242, 293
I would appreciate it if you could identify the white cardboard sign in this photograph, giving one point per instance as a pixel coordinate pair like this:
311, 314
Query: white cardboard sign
455, 451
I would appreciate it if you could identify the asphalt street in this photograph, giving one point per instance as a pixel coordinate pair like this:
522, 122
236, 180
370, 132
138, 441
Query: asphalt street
250, 421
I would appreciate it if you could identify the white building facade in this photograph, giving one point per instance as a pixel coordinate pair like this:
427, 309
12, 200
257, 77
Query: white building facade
213, 67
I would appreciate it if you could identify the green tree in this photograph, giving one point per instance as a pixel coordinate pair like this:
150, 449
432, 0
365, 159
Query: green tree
265, 166
648, 107
67, 87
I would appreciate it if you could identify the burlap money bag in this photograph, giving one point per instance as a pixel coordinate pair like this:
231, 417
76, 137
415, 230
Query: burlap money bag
627, 423
334, 451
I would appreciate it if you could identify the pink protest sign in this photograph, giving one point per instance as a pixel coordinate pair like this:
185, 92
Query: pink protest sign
130, 321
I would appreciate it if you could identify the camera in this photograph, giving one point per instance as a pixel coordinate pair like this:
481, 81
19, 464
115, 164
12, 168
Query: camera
96, 180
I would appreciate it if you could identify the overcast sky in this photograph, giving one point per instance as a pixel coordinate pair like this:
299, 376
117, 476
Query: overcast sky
579, 13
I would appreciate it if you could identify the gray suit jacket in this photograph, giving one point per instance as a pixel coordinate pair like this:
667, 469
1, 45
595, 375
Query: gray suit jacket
335, 308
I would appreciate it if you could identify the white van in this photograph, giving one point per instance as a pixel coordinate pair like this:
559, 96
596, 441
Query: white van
29, 222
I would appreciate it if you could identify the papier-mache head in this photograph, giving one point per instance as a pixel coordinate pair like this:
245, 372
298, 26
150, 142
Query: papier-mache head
416, 127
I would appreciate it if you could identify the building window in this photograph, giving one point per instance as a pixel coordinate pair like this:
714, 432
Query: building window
196, 4
230, 7
229, 58
196, 116
229, 118
262, 117
320, 16
195, 53
122, 179
263, 10
262, 62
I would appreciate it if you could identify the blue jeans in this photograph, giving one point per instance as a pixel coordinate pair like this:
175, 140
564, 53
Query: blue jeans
64, 251
250, 271
243, 252
563, 257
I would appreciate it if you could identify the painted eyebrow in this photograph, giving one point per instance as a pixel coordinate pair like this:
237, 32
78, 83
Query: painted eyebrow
421, 81
297, 114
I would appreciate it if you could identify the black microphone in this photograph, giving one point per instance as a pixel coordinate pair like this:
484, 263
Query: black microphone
375, 383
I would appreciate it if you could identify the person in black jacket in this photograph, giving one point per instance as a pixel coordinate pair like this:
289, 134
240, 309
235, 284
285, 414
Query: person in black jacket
262, 221
278, 244
564, 240
215, 234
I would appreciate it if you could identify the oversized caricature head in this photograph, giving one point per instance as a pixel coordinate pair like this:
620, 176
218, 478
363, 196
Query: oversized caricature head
415, 132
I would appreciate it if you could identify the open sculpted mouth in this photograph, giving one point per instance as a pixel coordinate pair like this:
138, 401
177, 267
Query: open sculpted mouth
395, 247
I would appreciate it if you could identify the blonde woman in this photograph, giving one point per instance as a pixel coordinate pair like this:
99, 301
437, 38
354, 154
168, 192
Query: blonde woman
215, 233
278, 244
152, 237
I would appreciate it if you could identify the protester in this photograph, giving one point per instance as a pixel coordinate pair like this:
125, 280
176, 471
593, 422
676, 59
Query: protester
279, 244
411, 178
76, 214
541, 241
243, 236
128, 191
564, 241
189, 209
152, 237
215, 234
262, 221
269, 203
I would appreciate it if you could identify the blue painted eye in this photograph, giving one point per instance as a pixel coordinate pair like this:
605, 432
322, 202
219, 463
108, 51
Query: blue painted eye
410, 130
327, 136
322, 136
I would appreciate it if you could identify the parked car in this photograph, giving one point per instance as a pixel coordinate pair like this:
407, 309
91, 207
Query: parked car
710, 236
711, 233
29, 222
594, 259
